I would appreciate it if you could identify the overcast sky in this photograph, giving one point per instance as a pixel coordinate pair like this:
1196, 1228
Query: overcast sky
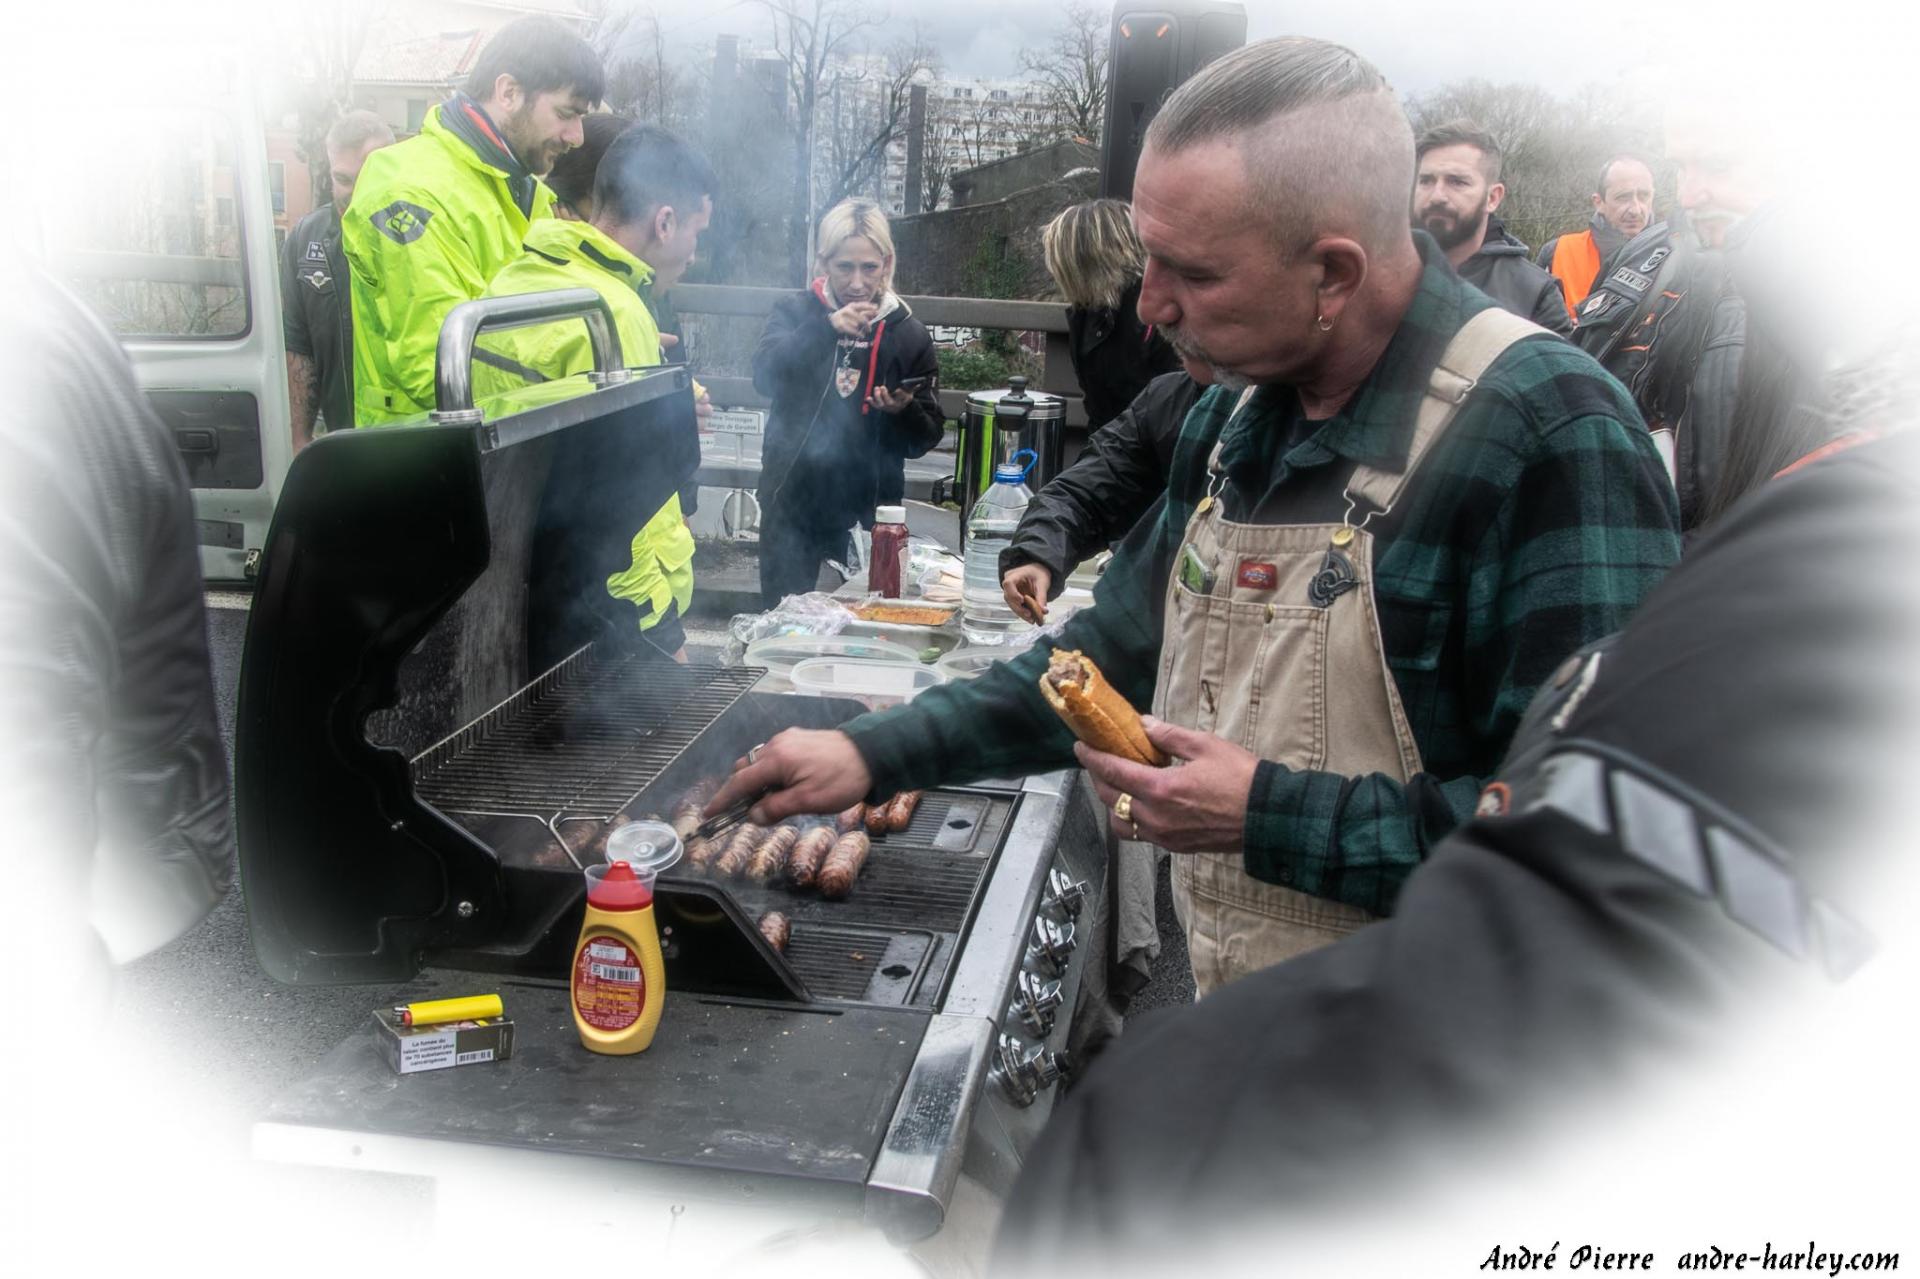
1419, 44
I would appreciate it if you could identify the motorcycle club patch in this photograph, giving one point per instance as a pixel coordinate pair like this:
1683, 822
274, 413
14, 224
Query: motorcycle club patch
1256, 576
401, 221
846, 381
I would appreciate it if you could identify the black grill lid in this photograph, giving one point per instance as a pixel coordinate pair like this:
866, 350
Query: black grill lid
433, 570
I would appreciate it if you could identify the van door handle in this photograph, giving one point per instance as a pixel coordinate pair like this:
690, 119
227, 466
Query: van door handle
196, 440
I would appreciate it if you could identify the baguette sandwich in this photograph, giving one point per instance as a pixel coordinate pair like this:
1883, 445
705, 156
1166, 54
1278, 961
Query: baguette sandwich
1096, 713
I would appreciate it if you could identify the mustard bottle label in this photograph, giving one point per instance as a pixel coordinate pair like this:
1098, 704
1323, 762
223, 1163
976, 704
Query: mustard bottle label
609, 987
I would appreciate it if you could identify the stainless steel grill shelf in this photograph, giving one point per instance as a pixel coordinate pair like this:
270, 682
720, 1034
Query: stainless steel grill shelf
583, 740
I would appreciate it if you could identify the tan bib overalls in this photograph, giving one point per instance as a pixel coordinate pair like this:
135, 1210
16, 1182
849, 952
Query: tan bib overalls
1279, 650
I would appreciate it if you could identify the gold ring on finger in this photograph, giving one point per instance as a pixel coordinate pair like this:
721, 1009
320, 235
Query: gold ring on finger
1123, 807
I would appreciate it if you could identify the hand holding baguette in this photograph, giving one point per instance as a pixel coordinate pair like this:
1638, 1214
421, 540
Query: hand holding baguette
1096, 713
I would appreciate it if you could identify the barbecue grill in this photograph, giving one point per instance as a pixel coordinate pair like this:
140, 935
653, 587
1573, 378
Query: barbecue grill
439, 712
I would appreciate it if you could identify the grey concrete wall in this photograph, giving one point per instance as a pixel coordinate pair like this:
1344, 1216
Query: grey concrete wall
985, 250
986, 183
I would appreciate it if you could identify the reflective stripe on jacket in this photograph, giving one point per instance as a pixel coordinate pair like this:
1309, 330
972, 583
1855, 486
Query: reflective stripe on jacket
430, 224
574, 255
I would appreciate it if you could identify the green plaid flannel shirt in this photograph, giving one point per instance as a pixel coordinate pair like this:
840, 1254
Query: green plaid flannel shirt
1537, 524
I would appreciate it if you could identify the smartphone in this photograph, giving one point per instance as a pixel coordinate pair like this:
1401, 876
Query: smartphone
912, 383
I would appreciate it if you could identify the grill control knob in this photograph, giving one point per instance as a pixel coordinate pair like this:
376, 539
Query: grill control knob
1052, 945
1066, 893
1034, 1001
1023, 1075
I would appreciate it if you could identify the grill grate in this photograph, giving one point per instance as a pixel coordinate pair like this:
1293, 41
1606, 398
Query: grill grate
585, 738
836, 962
916, 889
929, 817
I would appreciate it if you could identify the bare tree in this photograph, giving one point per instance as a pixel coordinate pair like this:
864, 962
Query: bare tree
978, 125
646, 86
1072, 70
323, 42
811, 35
939, 161
868, 114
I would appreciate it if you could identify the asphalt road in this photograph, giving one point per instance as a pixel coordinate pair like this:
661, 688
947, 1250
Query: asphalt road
231, 1038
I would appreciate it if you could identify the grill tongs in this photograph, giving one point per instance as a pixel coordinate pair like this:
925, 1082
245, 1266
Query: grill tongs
729, 817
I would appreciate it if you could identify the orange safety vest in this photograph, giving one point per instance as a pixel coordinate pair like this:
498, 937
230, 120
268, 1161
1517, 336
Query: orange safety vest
1576, 264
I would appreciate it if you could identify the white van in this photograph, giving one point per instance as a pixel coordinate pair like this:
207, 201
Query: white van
160, 219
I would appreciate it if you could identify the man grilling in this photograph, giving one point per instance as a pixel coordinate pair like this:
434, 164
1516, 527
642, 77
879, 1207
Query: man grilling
1396, 512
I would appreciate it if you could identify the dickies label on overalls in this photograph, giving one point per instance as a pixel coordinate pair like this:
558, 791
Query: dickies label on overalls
1257, 575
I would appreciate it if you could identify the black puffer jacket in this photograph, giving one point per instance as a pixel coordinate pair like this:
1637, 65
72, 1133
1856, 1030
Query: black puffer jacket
1094, 502
1114, 355
1500, 270
111, 769
828, 454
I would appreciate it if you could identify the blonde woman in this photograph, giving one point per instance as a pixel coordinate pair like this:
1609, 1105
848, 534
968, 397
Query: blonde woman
1137, 397
852, 378
1096, 261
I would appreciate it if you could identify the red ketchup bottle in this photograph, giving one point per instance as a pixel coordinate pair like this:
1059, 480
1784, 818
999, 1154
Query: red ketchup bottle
889, 551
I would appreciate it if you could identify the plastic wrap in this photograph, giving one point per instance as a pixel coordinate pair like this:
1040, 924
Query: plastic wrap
815, 613
936, 572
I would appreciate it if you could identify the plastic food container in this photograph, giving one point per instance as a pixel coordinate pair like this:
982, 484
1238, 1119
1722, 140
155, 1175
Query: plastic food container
781, 653
965, 663
915, 639
876, 684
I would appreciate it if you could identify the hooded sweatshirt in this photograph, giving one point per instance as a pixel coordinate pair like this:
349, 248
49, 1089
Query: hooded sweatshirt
1501, 271
828, 452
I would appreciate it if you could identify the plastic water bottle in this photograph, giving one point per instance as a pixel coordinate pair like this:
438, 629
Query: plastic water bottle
984, 615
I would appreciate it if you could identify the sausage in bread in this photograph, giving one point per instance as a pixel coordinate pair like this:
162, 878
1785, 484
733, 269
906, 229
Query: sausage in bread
1094, 709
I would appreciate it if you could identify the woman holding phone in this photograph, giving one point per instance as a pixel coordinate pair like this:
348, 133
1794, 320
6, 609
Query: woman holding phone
853, 380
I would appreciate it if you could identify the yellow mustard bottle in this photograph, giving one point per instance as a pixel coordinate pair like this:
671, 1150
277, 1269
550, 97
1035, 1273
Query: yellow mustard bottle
619, 979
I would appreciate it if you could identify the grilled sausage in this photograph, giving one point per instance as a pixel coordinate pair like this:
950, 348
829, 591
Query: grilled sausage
770, 855
702, 853
739, 850
900, 812
686, 813
877, 817
577, 836
803, 864
776, 929
596, 849
843, 865
853, 819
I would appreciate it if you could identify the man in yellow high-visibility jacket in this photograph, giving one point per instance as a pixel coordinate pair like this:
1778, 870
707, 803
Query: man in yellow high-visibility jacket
434, 218
652, 197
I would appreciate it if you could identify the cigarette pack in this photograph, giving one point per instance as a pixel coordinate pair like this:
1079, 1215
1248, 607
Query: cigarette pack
410, 1049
